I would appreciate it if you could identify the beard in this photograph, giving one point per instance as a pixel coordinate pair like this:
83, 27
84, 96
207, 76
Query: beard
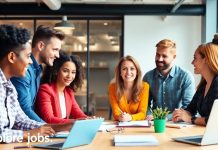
46, 61
161, 65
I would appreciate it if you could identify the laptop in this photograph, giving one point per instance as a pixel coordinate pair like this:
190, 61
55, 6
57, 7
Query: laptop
81, 133
210, 134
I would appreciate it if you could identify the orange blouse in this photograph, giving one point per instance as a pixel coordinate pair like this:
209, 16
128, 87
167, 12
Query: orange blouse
136, 109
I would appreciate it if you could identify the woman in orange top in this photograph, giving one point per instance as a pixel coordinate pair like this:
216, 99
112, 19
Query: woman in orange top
128, 94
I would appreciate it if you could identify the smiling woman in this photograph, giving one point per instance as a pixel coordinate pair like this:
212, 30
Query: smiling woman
55, 101
205, 63
129, 94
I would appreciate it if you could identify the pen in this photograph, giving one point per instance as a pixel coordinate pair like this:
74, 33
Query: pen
120, 110
20, 147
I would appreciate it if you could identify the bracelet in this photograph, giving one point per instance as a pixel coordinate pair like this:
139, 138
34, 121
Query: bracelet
193, 119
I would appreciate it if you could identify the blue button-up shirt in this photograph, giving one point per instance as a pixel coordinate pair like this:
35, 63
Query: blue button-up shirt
174, 91
27, 88
12, 118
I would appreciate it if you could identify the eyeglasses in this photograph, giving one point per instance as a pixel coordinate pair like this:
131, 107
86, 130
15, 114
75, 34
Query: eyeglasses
115, 130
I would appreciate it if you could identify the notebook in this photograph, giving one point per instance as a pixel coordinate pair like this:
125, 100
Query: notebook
135, 140
81, 133
178, 125
211, 131
141, 123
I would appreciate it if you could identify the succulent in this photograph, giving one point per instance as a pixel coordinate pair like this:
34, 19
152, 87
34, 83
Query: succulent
160, 113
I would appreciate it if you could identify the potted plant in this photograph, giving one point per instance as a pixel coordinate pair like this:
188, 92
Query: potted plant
159, 115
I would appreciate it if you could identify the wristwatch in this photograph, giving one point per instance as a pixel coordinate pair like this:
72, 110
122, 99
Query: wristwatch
193, 119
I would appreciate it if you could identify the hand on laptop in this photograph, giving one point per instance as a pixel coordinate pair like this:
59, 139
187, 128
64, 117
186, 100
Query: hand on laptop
43, 131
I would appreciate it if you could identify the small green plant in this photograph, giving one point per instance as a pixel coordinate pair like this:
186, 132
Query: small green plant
160, 113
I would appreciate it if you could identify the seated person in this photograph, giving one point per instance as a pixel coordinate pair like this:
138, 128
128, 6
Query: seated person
206, 64
55, 101
170, 85
128, 94
15, 56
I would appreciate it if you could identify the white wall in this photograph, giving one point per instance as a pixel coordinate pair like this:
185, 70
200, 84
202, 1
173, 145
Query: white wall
141, 33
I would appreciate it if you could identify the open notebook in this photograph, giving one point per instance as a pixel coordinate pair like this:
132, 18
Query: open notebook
142, 123
178, 125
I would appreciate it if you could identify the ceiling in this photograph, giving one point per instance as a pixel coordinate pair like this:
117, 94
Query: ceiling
102, 7
99, 33
107, 1
132, 1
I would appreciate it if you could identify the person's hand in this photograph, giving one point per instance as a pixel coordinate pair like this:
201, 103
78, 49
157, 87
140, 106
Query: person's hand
181, 115
149, 117
176, 115
45, 130
125, 117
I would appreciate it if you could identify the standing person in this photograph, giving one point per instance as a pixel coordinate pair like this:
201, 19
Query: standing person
15, 56
206, 64
55, 101
46, 45
170, 85
128, 94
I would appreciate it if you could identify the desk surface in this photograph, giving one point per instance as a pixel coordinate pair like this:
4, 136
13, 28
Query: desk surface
104, 140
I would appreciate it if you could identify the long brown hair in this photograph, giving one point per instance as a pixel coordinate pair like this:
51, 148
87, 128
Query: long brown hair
209, 51
137, 86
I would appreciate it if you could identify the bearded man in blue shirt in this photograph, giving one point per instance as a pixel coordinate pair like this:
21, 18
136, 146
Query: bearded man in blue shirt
170, 85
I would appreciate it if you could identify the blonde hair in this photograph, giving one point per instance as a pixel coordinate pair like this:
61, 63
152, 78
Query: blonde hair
166, 43
137, 86
209, 51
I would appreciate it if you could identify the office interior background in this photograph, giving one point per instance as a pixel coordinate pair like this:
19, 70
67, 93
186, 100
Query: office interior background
106, 30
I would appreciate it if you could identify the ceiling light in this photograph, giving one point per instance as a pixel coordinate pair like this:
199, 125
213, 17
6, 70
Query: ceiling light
64, 25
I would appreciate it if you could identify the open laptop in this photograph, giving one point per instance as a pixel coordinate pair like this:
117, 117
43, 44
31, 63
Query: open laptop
81, 133
211, 132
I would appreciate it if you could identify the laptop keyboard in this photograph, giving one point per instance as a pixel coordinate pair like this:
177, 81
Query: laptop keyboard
197, 140
57, 145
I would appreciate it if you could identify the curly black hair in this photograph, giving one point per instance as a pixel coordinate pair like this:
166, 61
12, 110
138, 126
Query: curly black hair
50, 72
12, 38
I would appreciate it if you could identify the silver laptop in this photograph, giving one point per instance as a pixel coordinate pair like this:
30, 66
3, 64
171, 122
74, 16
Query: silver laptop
211, 132
81, 133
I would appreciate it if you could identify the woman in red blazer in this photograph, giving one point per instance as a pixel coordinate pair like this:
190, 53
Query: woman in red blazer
55, 101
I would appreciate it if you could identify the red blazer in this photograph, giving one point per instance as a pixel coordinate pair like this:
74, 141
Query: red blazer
48, 104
